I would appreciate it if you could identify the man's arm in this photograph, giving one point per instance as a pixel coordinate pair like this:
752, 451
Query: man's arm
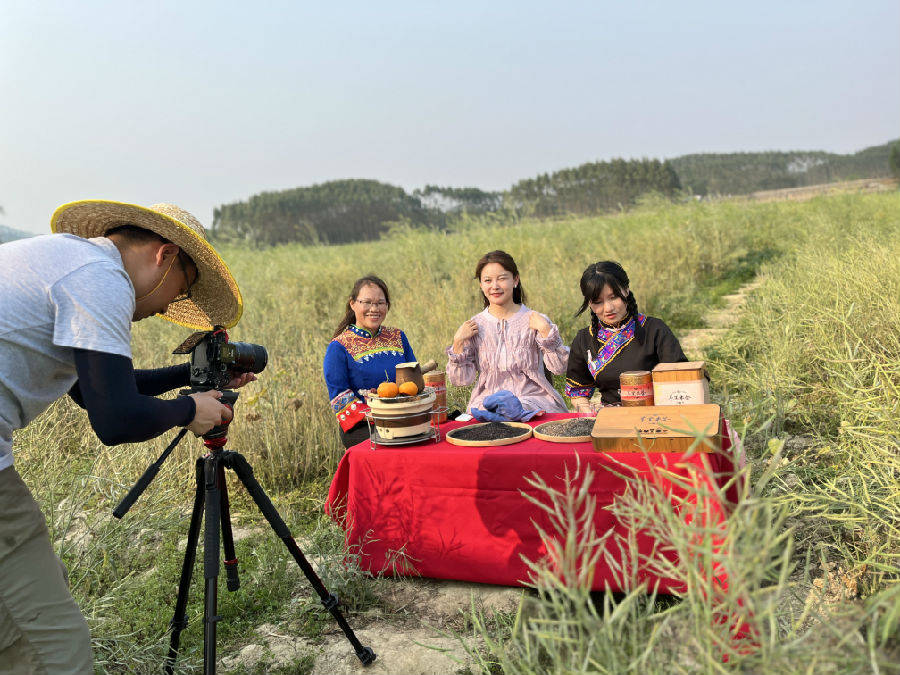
119, 412
150, 382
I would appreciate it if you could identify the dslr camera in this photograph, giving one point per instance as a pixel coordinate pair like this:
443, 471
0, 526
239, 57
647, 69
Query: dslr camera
215, 360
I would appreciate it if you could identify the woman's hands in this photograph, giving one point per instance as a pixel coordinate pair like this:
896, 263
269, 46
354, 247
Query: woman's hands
538, 323
582, 404
464, 333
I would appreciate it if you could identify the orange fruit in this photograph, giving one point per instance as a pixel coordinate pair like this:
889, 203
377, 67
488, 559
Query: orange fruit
409, 388
387, 390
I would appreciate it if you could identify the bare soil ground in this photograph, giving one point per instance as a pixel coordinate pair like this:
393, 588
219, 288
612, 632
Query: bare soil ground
412, 630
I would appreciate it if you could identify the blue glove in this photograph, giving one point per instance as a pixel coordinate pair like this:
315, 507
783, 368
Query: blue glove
507, 406
486, 415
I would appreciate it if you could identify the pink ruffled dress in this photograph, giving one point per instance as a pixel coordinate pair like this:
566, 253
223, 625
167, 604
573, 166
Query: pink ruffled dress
509, 355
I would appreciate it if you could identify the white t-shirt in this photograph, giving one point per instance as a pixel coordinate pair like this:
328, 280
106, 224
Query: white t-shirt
57, 292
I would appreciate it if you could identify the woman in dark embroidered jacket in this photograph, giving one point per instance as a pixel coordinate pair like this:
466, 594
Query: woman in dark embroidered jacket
618, 339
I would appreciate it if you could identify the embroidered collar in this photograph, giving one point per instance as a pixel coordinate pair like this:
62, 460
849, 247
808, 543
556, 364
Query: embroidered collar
612, 341
362, 332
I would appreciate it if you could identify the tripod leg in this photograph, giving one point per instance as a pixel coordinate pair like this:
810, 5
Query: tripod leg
212, 468
244, 471
179, 623
231, 563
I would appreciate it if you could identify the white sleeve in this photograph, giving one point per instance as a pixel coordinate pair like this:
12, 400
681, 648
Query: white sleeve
93, 308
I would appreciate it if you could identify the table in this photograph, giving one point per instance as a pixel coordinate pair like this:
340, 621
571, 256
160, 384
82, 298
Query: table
452, 512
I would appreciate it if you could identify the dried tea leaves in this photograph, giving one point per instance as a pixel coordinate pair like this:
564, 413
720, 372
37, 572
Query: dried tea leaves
490, 431
579, 426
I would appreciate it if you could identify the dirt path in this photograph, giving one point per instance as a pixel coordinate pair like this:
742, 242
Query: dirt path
412, 631
694, 342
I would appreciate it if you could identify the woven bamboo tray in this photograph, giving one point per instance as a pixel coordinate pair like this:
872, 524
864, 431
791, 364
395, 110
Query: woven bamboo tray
538, 433
526, 434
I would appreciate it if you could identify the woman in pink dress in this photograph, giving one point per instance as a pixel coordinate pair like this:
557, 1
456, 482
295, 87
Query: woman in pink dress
507, 344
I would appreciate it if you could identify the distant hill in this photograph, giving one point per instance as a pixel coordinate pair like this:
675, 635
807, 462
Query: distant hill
9, 234
335, 212
594, 187
745, 172
360, 209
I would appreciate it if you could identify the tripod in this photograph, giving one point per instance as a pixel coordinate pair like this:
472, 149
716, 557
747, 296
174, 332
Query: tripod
211, 495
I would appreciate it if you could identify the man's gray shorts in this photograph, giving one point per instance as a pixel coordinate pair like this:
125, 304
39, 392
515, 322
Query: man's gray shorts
41, 628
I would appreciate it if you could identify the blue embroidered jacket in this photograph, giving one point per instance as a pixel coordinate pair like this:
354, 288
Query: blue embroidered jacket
356, 360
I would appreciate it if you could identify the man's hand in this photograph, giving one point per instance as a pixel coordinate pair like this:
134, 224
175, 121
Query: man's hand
538, 323
209, 412
240, 380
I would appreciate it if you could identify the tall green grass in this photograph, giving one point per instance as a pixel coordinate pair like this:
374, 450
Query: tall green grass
810, 374
784, 369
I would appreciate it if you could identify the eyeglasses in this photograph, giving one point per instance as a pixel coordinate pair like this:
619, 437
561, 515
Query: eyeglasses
368, 304
187, 294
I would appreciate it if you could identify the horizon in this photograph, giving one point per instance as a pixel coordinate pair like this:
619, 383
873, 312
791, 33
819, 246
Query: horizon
209, 104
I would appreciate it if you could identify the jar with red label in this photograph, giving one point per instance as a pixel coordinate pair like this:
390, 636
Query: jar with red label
436, 380
636, 387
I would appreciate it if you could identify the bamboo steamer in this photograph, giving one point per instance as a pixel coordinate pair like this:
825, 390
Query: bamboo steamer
659, 428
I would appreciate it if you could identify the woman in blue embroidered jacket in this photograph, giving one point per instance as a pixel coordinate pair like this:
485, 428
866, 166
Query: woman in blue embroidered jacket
362, 354
619, 338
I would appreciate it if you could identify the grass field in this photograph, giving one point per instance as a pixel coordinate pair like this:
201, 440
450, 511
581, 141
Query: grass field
809, 375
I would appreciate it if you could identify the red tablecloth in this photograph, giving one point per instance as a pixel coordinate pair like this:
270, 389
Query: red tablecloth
454, 512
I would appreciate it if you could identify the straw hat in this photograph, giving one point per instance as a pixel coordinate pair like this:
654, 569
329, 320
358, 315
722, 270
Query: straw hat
215, 296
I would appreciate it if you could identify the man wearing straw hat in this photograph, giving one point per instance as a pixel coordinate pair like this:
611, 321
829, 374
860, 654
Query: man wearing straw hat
67, 301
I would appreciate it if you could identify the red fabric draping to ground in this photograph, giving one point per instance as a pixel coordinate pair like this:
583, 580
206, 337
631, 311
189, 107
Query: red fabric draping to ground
450, 512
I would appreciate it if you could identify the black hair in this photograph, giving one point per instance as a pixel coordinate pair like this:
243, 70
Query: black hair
505, 260
134, 235
349, 314
609, 273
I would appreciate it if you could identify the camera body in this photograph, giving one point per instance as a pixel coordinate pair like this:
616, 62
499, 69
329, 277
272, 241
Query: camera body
215, 360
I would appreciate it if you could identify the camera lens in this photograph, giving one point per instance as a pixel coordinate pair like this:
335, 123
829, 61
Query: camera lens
245, 357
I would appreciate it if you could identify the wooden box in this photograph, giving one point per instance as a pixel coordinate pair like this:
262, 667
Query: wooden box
680, 383
658, 428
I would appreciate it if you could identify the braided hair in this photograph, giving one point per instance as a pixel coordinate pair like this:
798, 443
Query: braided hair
597, 277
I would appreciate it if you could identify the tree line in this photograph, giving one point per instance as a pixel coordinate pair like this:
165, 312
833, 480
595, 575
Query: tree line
594, 187
746, 172
349, 210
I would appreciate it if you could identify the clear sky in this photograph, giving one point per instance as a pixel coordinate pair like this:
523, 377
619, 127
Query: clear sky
204, 103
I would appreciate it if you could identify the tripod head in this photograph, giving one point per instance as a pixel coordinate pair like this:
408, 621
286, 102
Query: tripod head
216, 437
